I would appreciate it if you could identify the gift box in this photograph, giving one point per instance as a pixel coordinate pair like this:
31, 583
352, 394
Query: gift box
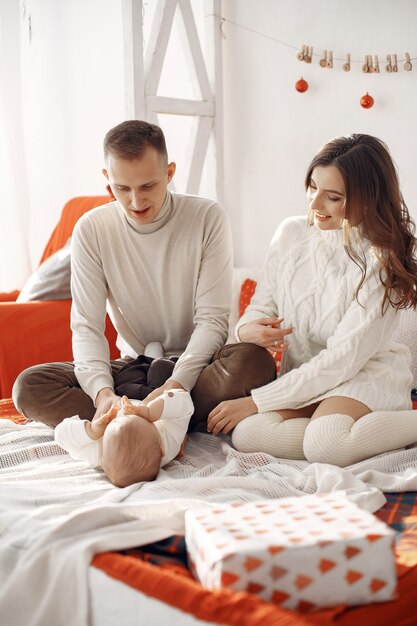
304, 553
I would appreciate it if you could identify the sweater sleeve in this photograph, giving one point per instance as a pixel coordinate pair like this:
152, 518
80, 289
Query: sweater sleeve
212, 300
173, 423
72, 437
263, 303
88, 312
361, 333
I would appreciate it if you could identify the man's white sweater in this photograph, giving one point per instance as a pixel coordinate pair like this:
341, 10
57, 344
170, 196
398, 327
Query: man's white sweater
167, 281
341, 346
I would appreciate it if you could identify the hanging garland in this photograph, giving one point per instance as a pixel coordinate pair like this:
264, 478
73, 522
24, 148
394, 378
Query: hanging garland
369, 65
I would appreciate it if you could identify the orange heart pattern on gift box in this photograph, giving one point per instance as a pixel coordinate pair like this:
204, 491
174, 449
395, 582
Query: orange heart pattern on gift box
303, 553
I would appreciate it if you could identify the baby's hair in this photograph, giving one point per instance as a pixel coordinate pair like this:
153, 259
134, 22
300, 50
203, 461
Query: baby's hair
131, 451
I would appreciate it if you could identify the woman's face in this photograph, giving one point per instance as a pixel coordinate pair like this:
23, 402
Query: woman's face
327, 197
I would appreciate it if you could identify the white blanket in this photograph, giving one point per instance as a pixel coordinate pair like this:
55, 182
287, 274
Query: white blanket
55, 513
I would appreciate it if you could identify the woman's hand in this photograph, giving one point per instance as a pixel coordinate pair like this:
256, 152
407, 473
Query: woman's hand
228, 413
266, 332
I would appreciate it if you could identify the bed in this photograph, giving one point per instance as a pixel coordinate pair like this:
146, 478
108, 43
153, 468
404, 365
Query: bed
75, 550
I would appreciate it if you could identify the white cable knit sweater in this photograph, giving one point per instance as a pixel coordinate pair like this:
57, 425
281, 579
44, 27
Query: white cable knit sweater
340, 347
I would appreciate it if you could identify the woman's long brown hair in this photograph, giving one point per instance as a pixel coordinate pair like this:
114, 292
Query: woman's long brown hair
375, 203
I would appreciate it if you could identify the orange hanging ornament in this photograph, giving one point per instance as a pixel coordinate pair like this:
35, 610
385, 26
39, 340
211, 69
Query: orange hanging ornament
367, 101
301, 85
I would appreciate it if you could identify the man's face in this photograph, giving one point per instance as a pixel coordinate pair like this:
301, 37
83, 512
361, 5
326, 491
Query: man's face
139, 185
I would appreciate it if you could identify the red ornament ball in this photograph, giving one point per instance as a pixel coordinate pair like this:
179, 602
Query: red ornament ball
367, 101
301, 85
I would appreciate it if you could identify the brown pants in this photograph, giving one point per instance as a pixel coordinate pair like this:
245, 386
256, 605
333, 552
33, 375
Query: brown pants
234, 371
50, 392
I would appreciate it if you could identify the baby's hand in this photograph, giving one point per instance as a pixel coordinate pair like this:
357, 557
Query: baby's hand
133, 409
95, 429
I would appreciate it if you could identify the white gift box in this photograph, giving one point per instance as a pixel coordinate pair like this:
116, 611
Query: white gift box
303, 553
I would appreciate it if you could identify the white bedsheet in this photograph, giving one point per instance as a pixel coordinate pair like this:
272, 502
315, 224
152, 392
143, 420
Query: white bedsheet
56, 513
113, 603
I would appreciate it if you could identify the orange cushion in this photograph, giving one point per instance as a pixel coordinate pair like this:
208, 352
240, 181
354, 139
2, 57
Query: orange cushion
9, 296
8, 411
71, 213
246, 292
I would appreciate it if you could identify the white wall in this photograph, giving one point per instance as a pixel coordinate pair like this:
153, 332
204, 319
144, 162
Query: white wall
272, 131
14, 196
73, 92
72, 76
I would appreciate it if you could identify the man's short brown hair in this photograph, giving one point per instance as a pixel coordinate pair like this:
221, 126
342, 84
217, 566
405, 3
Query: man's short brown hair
131, 138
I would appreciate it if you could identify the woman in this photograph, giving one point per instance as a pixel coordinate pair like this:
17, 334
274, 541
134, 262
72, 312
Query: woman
336, 281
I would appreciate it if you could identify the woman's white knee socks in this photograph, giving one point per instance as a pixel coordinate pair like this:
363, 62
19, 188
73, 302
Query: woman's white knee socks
270, 433
340, 440
335, 439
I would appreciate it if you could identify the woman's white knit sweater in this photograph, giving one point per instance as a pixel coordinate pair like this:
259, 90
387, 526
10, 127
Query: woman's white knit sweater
341, 346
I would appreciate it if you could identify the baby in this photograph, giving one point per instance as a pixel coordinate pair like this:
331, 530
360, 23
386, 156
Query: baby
131, 444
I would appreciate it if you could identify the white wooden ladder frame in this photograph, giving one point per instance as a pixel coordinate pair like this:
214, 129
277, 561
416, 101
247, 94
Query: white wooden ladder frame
143, 72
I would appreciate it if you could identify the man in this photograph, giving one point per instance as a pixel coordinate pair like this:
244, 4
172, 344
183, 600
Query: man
158, 262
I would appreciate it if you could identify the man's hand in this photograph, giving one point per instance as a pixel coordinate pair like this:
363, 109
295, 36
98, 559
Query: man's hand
105, 399
170, 384
266, 332
95, 429
228, 413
